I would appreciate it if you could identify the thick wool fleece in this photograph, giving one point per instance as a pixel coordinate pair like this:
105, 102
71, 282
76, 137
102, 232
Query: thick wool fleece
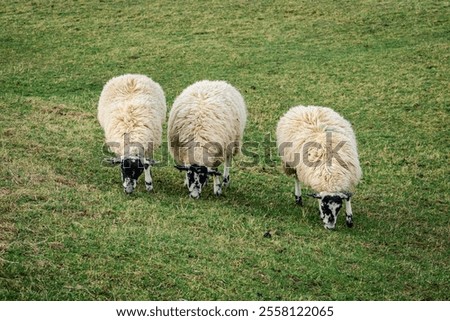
131, 111
319, 146
206, 124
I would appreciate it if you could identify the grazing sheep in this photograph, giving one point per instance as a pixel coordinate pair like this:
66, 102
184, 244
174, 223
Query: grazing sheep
318, 146
131, 111
205, 128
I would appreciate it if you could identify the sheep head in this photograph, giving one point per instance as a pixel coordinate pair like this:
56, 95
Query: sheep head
131, 168
330, 204
196, 177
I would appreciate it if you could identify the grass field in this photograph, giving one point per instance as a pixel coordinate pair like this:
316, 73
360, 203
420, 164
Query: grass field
67, 230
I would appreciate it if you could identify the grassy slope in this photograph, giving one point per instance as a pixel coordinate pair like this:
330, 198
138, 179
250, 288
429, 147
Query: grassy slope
68, 232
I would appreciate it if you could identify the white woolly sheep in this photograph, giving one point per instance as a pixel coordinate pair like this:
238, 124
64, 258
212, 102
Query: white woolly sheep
131, 111
205, 128
318, 146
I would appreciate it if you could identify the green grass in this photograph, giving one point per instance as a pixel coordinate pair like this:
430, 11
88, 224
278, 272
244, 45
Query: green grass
68, 232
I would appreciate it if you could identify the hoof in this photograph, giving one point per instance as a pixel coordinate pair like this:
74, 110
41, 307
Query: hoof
349, 220
268, 235
226, 181
298, 200
149, 186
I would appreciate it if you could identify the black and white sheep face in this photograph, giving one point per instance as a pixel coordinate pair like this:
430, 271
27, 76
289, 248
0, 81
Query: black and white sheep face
196, 178
131, 169
329, 210
330, 205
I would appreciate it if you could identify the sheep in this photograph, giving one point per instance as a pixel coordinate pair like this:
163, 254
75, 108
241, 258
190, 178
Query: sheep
205, 129
131, 111
318, 147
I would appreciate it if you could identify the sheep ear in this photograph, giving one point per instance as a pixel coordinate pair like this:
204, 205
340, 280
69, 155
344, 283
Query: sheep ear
214, 172
181, 167
112, 161
347, 195
314, 195
150, 162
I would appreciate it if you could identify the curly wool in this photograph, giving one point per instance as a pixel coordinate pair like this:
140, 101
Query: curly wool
319, 146
131, 111
206, 124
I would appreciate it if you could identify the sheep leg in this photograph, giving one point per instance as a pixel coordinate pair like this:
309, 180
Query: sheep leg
186, 180
226, 171
298, 192
348, 213
217, 185
148, 179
